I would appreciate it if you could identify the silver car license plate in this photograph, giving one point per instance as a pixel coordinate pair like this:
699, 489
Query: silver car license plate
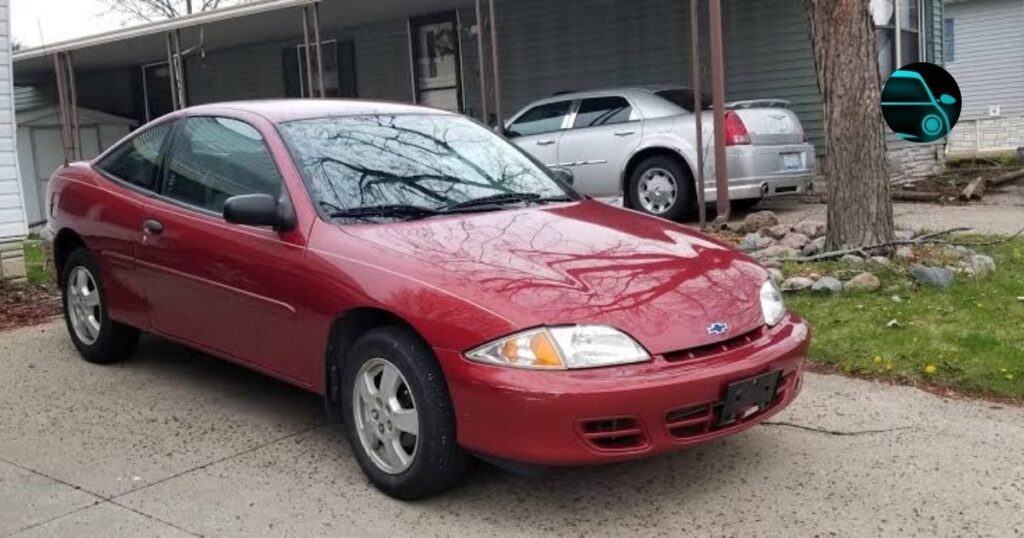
792, 161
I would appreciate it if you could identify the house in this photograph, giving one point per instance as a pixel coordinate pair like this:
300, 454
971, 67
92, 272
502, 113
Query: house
985, 53
13, 227
435, 52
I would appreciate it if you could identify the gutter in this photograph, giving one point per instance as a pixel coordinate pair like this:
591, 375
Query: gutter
160, 27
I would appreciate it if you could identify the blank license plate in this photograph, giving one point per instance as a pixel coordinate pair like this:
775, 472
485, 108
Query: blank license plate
750, 396
792, 161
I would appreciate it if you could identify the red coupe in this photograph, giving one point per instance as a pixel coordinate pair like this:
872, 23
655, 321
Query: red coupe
445, 293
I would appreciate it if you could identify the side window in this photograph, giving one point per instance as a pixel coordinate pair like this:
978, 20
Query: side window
137, 161
214, 159
542, 119
602, 111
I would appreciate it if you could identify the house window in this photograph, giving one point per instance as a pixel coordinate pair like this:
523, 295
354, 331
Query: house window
948, 41
897, 33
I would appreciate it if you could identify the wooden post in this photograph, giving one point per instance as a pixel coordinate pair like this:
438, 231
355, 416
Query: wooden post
496, 66
482, 62
718, 105
698, 112
319, 51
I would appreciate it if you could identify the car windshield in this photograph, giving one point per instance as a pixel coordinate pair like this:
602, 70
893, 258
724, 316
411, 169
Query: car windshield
683, 98
412, 166
906, 90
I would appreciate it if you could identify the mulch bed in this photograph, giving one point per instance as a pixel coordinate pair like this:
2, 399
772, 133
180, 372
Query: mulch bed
952, 182
22, 305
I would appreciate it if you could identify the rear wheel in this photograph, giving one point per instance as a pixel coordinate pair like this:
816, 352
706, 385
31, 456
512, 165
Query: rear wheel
663, 187
98, 338
399, 416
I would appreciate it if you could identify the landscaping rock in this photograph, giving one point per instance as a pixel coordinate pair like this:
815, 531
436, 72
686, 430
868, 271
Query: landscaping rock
815, 247
776, 251
905, 252
863, 282
795, 241
797, 283
776, 275
880, 260
811, 228
755, 221
852, 259
981, 265
771, 264
827, 285
776, 232
931, 276
754, 241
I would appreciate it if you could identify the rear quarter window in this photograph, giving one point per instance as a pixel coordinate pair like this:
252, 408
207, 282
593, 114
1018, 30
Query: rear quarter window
137, 161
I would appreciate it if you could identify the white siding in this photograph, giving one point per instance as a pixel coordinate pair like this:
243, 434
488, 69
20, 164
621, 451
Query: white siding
989, 55
12, 212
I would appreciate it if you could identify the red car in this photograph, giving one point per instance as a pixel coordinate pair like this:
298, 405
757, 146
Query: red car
445, 293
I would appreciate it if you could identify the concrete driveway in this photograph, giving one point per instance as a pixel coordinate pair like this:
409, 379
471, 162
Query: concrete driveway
174, 443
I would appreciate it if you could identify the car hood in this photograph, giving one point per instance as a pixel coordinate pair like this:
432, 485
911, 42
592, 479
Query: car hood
582, 262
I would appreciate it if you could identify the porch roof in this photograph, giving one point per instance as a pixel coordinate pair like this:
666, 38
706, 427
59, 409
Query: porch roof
251, 22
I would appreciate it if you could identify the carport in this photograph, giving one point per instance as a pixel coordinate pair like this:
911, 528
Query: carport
168, 50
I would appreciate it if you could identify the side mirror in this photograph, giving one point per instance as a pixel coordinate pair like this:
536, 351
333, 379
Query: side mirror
259, 210
565, 175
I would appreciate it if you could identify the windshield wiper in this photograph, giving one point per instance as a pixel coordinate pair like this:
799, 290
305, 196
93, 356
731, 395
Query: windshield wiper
504, 199
387, 211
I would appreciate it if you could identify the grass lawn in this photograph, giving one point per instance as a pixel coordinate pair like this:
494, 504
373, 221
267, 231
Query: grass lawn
969, 338
35, 264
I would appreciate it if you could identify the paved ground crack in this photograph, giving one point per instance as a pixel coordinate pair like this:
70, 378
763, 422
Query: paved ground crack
833, 432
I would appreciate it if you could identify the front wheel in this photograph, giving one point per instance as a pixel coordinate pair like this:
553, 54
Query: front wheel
399, 416
98, 338
663, 187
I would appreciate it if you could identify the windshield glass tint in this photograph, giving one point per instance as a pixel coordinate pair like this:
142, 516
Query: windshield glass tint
433, 161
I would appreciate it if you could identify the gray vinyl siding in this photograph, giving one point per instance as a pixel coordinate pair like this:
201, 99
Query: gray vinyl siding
12, 213
769, 54
989, 61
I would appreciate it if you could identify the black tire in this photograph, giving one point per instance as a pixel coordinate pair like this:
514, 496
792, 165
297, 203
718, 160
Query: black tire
684, 206
114, 341
438, 463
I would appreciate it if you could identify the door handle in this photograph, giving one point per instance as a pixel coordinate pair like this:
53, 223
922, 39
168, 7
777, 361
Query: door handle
545, 142
152, 226
625, 133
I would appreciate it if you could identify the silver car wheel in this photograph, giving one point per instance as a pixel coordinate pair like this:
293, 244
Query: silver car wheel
657, 191
83, 304
385, 416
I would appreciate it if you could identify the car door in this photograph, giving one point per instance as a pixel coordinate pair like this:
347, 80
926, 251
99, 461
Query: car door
538, 129
111, 217
603, 135
228, 288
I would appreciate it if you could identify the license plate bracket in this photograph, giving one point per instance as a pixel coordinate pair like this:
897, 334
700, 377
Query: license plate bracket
749, 396
791, 161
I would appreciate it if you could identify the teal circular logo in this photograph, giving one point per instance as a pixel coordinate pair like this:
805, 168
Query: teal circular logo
921, 102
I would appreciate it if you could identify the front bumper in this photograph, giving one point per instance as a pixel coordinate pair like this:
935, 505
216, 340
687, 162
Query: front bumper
619, 413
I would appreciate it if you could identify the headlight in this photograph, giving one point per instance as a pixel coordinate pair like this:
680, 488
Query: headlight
772, 305
560, 348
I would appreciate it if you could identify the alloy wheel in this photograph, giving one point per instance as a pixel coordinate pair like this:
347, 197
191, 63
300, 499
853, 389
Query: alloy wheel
657, 191
83, 304
385, 416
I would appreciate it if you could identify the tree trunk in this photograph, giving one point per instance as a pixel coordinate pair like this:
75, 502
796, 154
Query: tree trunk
859, 205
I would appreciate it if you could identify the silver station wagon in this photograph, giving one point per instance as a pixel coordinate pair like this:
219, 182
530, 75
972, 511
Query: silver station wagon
640, 143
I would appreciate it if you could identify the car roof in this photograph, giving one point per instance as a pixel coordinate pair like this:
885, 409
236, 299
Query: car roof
284, 110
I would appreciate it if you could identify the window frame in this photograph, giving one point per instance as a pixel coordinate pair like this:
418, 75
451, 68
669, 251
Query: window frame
178, 136
634, 114
567, 120
948, 40
897, 29
95, 165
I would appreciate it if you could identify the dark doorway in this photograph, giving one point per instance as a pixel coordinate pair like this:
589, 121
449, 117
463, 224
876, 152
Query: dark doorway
156, 87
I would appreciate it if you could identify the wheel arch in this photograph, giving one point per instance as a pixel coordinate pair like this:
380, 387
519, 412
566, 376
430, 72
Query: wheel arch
346, 328
64, 243
645, 153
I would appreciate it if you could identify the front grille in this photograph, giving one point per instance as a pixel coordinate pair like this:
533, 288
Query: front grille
694, 421
717, 348
622, 433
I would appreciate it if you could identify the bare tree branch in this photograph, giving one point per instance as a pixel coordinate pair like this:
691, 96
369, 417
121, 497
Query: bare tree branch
152, 10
